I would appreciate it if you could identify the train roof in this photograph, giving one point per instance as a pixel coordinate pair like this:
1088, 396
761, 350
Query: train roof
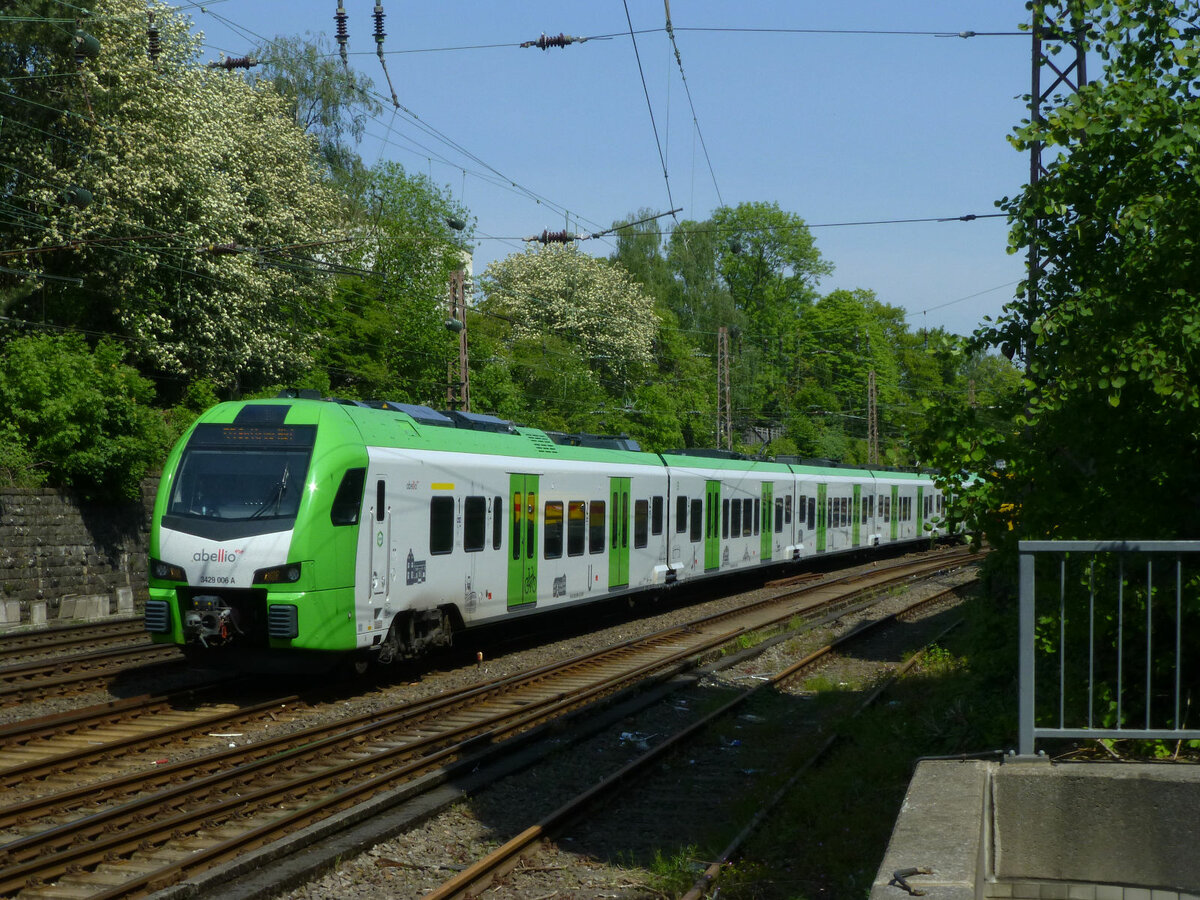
411, 426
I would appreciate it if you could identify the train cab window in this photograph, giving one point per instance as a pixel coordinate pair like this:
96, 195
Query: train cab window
697, 530
552, 529
681, 511
576, 527
641, 519
379, 500
778, 515
724, 518
497, 522
735, 518
474, 524
348, 499
656, 515
596, 526
441, 525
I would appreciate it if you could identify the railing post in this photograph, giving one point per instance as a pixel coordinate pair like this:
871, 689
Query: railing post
1025, 709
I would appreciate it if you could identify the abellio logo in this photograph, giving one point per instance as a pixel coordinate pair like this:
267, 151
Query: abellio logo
221, 555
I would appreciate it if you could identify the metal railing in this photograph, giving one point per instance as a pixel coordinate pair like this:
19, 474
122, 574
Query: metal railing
1110, 674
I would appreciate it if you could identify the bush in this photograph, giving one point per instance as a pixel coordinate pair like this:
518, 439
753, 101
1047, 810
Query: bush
79, 417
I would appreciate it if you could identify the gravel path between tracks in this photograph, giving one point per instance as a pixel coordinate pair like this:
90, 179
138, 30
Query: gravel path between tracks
611, 855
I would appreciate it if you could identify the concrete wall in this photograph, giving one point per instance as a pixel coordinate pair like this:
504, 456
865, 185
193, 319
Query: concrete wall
1032, 830
53, 546
1109, 824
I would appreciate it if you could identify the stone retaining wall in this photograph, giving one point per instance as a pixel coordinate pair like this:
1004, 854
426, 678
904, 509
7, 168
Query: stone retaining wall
55, 549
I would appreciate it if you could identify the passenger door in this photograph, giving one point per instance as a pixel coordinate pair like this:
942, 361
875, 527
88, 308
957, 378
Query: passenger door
522, 539
712, 525
618, 541
766, 521
822, 516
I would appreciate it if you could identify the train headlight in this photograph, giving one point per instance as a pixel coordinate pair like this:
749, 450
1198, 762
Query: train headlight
288, 574
167, 571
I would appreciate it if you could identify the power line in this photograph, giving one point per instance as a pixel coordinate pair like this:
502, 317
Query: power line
662, 159
688, 91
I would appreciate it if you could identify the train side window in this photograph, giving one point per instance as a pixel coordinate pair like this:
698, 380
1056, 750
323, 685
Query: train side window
656, 515
596, 527
379, 500
778, 515
641, 517
348, 499
497, 522
441, 525
681, 511
552, 530
787, 509
516, 529
757, 514
697, 531
812, 511
474, 524
735, 525
576, 527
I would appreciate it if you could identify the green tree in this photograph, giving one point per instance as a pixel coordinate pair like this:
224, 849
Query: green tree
328, 100
77, 418
384, 334
1109, 424
769, 261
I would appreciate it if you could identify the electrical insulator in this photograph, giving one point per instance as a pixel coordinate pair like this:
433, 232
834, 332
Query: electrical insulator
223, 249
380, 34
234, 62
555, 237
343, 34
86, 46
559, 40
456, 223
153, 46
78, 196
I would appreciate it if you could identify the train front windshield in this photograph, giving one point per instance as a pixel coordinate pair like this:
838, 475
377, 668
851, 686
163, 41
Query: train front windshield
250, 477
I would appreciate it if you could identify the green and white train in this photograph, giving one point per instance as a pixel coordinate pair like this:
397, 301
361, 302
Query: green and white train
301, 527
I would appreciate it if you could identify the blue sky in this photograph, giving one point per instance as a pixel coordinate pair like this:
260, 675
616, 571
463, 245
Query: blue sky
845, 127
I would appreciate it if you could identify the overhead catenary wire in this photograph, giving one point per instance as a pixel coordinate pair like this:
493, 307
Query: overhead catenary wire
649, 106
688, 91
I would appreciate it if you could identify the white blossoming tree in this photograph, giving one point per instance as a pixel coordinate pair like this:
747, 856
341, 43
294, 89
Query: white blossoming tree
188, 204
592, 304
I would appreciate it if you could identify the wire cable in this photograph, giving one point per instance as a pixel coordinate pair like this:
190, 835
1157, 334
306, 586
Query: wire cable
662, 159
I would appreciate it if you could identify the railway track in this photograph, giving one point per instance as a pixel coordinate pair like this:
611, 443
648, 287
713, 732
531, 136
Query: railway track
472, 880
79, 673
92, 635
147, 829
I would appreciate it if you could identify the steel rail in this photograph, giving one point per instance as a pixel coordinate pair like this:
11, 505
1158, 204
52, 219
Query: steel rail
477, 877
490, 730
62, 637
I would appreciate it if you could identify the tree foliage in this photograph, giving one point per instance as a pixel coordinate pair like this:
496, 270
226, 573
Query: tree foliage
384, 334
1109, 423
593, 305
81, 416
172, 193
